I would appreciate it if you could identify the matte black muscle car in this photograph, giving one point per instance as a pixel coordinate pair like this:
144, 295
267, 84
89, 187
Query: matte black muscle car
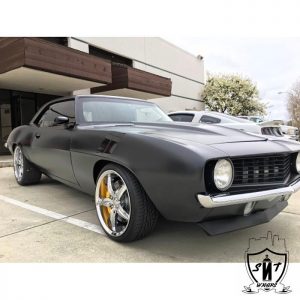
139, 163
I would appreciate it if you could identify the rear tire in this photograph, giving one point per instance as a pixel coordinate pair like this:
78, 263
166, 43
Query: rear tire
120, 197
25, 172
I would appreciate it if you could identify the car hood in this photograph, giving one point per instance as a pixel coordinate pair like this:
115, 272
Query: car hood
248, 127
182, 133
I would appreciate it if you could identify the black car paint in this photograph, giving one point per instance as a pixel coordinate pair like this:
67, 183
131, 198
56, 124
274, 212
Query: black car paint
168, 159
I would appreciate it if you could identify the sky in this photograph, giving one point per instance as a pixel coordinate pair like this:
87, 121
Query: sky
272, 63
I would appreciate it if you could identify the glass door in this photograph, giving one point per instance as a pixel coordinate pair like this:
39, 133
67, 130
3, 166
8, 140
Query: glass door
27, 110
23, 108
5, 119
18, 108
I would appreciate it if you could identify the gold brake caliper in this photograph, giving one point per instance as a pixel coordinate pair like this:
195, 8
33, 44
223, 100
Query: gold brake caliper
104, 193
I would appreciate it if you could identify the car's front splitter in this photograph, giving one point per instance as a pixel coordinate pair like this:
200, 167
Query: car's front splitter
219, 226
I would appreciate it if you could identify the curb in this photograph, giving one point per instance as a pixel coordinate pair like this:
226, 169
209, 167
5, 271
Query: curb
6, 164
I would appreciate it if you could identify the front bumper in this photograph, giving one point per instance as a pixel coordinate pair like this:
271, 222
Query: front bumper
284, 193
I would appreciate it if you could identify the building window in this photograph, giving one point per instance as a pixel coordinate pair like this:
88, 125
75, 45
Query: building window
5, 119
56, 40
114, 58
18, 108
42, 99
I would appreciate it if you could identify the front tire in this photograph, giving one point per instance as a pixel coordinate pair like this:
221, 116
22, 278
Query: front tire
124, 210
25, 172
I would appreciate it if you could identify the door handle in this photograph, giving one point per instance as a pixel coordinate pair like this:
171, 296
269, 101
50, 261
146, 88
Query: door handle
37, 135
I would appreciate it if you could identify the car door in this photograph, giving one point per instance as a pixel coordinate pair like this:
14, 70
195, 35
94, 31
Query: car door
50, 148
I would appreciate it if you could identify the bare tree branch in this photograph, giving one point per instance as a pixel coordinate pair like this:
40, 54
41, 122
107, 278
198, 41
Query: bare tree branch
293, 104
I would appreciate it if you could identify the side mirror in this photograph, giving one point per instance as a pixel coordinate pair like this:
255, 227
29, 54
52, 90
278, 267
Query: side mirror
61, 120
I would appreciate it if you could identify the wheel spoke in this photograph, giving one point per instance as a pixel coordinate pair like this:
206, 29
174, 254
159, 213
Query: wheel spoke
18, 163
112, 218
120, 191
109, 185
121, 212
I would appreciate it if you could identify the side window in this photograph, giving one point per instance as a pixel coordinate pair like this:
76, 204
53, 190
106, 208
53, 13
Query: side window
66, 109
209, 120
182, 117
47, 120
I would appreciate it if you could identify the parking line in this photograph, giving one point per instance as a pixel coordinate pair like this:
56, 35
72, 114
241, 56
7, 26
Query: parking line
54, 215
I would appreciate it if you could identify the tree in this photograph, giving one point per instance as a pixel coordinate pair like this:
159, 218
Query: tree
232, 94
293, 104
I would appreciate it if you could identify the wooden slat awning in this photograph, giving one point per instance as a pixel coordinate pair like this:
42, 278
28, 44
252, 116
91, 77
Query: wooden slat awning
38, 54
127, 80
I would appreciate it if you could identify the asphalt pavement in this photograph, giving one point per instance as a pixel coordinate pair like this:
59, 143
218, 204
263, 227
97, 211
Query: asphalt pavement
50, 222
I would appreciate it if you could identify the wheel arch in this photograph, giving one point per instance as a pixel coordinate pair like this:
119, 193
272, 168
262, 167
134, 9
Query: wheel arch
100, 164
13, 147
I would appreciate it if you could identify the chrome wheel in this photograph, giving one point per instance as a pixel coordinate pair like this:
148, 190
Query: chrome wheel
18, 163
112, 203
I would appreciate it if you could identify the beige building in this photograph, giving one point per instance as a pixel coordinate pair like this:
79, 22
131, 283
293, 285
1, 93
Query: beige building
34, 71
159, 57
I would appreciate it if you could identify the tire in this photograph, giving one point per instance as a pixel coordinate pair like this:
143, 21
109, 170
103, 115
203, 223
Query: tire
25, 172
123, 202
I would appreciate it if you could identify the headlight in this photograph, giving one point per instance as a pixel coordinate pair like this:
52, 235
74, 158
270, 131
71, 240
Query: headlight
223, 174
298, 163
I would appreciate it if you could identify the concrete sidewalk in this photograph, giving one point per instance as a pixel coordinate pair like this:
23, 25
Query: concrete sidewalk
29, 236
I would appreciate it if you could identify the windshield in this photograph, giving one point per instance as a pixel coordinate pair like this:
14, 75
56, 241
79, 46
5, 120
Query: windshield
256, 119
111, 110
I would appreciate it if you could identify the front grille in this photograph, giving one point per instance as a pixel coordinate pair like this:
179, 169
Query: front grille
276, 131
261, 170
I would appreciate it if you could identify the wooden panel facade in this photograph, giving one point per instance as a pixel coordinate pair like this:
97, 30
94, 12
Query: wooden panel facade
11, 54
45, 56
124, 77
144, 81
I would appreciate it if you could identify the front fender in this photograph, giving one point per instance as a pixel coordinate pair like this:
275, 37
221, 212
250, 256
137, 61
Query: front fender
21, 135
171, 173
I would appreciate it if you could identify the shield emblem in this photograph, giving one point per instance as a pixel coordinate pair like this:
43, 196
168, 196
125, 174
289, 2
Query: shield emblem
267, 268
